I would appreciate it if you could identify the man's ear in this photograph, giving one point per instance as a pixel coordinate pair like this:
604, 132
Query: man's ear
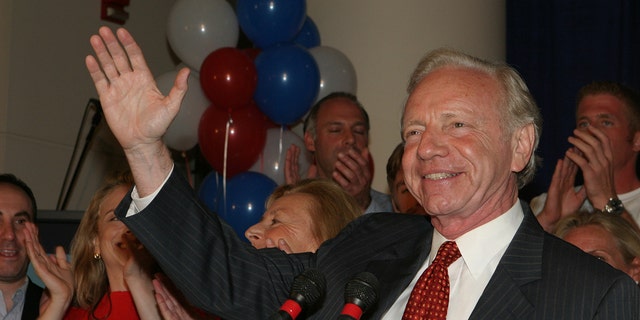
309, 142
523, 142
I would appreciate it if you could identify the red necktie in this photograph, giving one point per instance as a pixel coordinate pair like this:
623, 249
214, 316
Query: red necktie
430, 297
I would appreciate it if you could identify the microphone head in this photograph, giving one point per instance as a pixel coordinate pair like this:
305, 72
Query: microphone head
362, 290
308, 289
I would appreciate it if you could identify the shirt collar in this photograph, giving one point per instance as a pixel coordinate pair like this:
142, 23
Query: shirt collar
480, 246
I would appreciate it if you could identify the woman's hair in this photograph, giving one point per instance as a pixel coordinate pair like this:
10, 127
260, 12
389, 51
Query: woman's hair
517, 106
332, 207
627, 238
90, 278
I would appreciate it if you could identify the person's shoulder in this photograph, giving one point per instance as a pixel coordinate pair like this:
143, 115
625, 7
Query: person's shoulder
569, 261
380, 202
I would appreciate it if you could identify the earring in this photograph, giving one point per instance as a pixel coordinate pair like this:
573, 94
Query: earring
97, 256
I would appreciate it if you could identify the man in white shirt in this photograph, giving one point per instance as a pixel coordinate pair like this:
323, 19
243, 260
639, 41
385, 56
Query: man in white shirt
19, 297
605, 148
470, 129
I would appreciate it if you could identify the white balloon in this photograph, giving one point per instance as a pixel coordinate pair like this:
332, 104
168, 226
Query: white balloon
336, 71
273, 156
196, 28
182, 134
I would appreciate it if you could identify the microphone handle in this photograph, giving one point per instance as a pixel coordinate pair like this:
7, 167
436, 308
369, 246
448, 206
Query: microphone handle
351, 311
280, 315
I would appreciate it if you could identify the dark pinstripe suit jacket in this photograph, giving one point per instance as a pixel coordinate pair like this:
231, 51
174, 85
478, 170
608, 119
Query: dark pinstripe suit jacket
539, 276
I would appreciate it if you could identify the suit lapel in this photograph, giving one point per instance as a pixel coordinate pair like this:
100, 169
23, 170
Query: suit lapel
521, 264
396, 274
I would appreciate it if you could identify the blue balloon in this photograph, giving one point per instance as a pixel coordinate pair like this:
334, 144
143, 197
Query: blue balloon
267, 22
246, 196
210, 191
309, 36
288, 82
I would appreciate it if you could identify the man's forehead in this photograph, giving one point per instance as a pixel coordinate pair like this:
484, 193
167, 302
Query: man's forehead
339, 110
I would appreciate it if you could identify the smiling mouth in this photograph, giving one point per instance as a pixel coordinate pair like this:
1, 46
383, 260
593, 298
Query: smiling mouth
439, 176
8, 253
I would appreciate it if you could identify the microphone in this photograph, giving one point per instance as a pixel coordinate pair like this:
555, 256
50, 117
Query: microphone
360, 294
307, 292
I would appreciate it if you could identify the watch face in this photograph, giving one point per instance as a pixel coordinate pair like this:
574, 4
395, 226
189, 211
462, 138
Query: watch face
614, 206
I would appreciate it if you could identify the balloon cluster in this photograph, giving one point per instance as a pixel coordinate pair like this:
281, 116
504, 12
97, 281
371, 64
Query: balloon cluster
241, 102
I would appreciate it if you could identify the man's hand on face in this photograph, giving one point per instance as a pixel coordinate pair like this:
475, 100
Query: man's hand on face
352, 173
592, 152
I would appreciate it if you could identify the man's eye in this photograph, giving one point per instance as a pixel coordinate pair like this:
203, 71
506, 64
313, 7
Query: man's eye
412, 133
606, 123
458, 125
583, 124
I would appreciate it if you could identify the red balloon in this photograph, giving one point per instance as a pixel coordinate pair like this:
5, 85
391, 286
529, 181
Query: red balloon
247, 137
228, 78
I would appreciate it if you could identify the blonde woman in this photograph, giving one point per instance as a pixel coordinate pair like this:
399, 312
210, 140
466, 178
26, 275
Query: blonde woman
609, 238
111, 272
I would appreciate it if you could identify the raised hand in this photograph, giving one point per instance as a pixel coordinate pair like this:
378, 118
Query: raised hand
292, 166
54, 271
136, 111
562, 198
593, 154
170, 307
137, 274
352, 174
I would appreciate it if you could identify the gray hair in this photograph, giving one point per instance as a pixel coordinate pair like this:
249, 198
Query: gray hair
517, 105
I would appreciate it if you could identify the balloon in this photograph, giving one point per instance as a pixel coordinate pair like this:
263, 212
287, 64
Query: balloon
247, 135
272, 159
244, 205
288, 82
267, 22
252, 53
195, 28
228, 78
210, 191
336, 71
182, 134
308, 36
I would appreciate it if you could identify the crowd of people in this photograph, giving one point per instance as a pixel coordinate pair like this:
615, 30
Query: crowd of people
146, 248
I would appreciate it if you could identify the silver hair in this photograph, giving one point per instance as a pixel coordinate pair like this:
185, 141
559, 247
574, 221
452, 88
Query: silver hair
518, 106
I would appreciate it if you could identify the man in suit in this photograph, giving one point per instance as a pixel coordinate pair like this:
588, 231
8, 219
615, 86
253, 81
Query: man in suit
20, 296
470, 129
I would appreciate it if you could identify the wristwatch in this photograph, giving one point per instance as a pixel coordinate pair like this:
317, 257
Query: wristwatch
614, 206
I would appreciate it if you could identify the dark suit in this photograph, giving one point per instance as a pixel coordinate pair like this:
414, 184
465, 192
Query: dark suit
32, 297
539, 276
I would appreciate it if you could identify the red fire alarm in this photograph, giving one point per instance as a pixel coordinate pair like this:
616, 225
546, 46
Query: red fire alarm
113, 10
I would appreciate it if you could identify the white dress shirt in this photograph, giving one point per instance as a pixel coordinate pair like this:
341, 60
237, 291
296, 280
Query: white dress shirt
481, 249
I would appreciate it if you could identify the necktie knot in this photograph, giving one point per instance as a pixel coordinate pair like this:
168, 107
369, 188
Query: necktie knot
447, 254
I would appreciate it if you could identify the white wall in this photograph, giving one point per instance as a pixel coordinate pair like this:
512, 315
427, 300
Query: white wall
385, 39
44, 86
48, 88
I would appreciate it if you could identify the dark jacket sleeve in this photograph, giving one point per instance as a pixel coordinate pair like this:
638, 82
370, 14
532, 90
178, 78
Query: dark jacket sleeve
215, 270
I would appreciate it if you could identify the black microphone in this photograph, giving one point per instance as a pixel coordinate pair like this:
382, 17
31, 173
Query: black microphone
360, 294
307, 292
